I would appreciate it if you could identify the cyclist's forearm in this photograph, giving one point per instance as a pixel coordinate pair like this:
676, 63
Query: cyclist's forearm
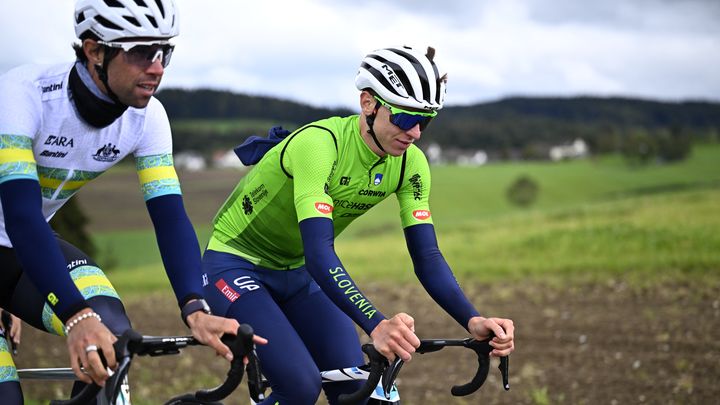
178, 246
435, 275
36, 247
325, 267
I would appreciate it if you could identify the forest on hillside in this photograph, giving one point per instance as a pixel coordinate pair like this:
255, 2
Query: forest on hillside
514, 127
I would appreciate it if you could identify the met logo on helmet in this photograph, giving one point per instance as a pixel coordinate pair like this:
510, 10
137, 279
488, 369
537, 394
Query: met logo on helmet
421, 214
323, 208
392, 77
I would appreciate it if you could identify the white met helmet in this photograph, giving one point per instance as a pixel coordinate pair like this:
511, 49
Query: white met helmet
110, 20
404, 77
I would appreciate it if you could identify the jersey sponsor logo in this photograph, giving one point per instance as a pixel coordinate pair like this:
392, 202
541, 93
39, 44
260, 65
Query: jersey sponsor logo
345, 180
53, 154
416, 182
247, 205
107, 153
52, 87
205, 280
421, 214
246, 283
76, 263
352, 205
52, 299
60, 141
259, 193
227, 291
378, 179
323, 208
372, 193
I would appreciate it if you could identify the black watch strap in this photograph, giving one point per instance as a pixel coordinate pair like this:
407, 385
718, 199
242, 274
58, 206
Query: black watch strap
192, 307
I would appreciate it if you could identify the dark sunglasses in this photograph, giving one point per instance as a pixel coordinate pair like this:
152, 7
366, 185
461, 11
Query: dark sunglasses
406, 120
144, 54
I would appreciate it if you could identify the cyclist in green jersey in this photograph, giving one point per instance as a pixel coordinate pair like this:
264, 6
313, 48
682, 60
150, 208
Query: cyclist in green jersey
271, 261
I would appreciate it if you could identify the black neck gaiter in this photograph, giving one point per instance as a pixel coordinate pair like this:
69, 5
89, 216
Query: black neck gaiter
94, 110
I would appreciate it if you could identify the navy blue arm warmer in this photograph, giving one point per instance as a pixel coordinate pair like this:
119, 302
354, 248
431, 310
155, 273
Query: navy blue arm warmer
435, 275
36, 247
325, 267
178, 246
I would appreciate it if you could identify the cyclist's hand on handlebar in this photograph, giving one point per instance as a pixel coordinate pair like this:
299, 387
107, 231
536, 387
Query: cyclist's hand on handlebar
208, 329
15, 328
504, 340
85, 341
396, 336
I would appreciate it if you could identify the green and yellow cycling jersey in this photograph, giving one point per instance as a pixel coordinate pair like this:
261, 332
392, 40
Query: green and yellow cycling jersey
323, 169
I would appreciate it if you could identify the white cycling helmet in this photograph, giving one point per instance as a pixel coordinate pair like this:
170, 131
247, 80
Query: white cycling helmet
404, 77
110, 20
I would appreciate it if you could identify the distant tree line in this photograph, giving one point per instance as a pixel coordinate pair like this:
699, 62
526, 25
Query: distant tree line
521, 127
606, 124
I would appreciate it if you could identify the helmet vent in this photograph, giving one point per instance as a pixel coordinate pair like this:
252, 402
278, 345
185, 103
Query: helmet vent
107, 23
113, 3
160, 6
80, 18
141, 3
152, 21
132, 20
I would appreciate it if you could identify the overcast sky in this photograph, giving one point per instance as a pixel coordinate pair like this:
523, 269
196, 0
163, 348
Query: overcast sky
309, 50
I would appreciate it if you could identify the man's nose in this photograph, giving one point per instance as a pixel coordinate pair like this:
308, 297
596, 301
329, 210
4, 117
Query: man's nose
156, 67
414, 132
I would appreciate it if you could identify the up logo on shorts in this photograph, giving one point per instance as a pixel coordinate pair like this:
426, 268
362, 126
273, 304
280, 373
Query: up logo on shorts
244, 284
421, 214
323, 208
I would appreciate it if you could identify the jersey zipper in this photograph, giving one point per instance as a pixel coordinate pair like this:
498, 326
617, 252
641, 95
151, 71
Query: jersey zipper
378, 163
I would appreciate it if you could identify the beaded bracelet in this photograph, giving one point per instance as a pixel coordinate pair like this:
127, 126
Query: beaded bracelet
77, 320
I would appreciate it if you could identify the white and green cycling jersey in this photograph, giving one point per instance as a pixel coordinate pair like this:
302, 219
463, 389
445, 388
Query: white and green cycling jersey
323, 169
42, 137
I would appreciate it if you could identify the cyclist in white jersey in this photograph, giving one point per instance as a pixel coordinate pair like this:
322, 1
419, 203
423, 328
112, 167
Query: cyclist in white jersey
62, 126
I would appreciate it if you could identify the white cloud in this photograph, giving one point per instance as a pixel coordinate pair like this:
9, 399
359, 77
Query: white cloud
310, 50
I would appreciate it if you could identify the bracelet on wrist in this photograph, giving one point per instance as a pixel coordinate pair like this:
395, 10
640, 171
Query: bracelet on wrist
71, 324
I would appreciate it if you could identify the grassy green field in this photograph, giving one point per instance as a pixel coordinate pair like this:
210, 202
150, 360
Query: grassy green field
593, 219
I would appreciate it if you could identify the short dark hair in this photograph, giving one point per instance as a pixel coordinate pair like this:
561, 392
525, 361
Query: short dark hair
80, 52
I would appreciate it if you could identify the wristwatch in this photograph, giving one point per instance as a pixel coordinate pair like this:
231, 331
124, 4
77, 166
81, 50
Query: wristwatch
192, 307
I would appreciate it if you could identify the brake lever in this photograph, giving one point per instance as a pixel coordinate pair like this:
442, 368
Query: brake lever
123, 347
482, 349
256, 387
389, 376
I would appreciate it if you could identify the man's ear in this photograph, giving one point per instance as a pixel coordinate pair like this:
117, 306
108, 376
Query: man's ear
367, 102
94, 52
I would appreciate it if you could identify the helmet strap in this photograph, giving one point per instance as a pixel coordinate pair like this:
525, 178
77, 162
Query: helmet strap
370, 119
103, 75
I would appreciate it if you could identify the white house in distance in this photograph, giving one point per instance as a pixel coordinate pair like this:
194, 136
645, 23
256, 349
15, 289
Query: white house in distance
190, 161
577, 149
227, 159
436, 155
